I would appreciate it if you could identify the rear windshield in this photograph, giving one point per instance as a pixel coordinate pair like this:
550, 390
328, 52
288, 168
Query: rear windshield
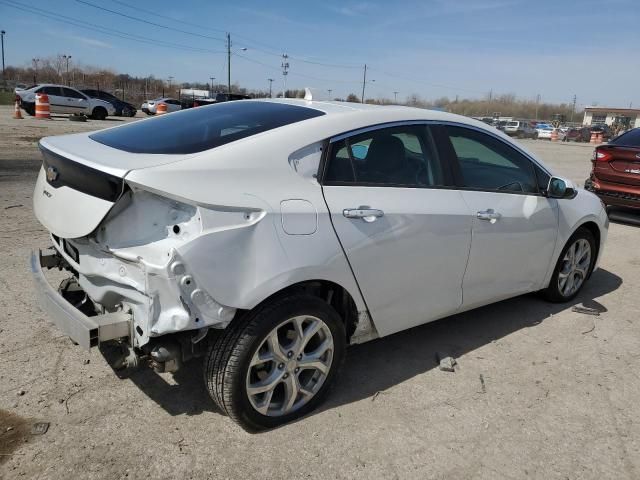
630, 138
513, 124
202, 128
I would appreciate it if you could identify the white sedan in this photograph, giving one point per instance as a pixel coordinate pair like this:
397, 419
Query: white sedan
264, 236
150, 107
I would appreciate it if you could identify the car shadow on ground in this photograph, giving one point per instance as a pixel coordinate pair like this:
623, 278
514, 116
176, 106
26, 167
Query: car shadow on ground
624, 216
378, 365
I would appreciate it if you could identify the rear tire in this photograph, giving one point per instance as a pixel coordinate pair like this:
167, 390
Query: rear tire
246, 358
99, 113
572, 271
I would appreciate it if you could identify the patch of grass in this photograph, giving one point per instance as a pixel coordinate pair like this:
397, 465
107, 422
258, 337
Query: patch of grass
7, 98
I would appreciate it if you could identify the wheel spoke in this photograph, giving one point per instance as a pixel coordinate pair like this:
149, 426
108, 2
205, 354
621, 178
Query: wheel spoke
309, 333
260, 358
265, 385
276, 349
291, 389
263, 406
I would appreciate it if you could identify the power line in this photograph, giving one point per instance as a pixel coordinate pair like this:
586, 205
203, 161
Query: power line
106, 31
269, 50
131, 17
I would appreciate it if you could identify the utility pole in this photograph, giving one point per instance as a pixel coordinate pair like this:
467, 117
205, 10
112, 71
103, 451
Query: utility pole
537, 103
2, 32
329, 93
395, 97
270, 83
228, 64
285, 72
490, 95
35, 68
573, 107
67, 58
170, 78
364, 81
212, 79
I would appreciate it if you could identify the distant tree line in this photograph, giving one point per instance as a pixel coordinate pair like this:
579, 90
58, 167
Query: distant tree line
136, 89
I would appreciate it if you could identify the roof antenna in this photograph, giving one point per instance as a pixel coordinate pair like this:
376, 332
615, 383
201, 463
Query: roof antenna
308, 96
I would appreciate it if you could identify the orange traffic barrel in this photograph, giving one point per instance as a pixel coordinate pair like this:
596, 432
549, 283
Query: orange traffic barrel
161, 108
594, 138
42, 106
554, 135
16, 112
599, 138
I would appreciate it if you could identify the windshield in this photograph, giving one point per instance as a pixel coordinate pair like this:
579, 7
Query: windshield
203, 128
512, 124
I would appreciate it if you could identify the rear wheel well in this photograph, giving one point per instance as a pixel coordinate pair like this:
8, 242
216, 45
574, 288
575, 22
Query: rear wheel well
331, 293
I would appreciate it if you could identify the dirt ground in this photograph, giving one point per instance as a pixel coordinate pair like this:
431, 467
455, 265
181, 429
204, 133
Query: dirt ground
540, 391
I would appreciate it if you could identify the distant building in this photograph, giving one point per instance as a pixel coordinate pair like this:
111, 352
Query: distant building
629, 117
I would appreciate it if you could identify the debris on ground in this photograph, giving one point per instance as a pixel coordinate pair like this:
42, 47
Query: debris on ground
447, 362
586, 310
375, 395
590, 330
13, 206
39, 428
21, 393
483, 387
86, 361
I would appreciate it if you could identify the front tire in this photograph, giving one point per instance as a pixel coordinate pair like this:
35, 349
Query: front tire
573, 268
276, 363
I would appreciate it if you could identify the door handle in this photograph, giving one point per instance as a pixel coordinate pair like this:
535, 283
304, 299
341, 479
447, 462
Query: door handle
367, 214
489, 215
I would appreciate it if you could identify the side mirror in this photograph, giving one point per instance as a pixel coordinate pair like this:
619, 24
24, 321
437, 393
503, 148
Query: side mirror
561, 188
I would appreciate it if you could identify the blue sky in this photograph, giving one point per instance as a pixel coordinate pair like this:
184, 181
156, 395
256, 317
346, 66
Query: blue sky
431, 48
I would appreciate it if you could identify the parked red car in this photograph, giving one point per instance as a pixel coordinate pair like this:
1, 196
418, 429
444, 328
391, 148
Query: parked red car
615, 174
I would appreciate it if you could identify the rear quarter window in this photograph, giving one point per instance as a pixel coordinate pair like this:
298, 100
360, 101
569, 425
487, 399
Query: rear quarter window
203, 128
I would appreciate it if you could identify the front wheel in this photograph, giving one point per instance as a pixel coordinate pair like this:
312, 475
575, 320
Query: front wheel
573, 268
277, 362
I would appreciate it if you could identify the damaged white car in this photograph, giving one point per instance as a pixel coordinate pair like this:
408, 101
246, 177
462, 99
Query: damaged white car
266, 236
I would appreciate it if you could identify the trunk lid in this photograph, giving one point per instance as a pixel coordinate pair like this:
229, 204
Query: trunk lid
623, 167
80, 181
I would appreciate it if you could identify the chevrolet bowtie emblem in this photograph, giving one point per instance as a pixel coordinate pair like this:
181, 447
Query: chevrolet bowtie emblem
52, 174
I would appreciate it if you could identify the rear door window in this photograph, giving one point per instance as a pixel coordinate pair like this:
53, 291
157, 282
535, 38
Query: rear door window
51, 91
198, 129
70, 93
396, 157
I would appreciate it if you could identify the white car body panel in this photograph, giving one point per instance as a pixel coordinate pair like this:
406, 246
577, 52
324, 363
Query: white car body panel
201, 235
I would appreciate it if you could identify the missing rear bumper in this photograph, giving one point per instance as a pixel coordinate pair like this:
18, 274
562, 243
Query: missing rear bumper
86, 331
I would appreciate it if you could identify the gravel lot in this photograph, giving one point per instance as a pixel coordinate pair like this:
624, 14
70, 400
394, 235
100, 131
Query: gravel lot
559, 396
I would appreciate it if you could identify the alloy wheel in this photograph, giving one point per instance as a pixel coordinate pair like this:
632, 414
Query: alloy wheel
575, 267
290, 366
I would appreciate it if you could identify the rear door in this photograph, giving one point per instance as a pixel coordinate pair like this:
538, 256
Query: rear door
76, 101
514, 226
57, 102
405, 232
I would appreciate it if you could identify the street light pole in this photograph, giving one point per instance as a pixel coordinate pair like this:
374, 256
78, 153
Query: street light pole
2, 35
285, 72
35, 68
395, 97
212, 79
228, 64
270, 80
67, 58
329, 90
170, 78
364, 81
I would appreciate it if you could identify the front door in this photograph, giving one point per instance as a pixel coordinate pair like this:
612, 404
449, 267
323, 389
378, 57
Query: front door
405, 233
76, 102
514, 226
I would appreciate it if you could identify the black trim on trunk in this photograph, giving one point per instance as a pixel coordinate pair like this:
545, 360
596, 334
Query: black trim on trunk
80, 177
